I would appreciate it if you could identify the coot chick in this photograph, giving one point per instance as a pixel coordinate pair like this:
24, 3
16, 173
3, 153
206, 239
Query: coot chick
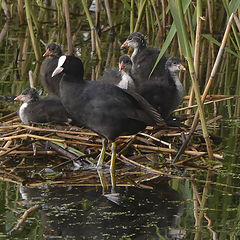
54, 51
104, 108
41, 110
144, 59
120, 76
167, 93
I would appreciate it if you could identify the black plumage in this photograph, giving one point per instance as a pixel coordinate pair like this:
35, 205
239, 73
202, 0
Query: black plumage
41, 110
144, 59
120, 76
106, 109
165, 93
54, 51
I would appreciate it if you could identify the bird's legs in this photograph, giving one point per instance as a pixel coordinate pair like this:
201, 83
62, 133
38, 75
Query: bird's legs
113, 157
102, 154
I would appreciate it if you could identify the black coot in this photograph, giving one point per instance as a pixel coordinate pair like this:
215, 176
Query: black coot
120, 76
106, 109
54, 51
144, 59
41, 110
166, 93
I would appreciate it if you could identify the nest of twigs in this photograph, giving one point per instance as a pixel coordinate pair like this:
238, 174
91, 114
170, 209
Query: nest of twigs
40, 154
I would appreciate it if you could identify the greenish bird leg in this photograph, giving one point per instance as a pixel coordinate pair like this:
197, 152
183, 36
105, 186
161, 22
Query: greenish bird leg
113, 157
102, 154
102, 180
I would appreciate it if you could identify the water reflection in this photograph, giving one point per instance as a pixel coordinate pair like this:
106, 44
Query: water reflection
85, 213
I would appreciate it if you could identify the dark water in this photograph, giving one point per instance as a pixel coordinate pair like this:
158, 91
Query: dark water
157, 210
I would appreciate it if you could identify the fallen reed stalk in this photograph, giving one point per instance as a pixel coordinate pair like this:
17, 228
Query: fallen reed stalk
212, 76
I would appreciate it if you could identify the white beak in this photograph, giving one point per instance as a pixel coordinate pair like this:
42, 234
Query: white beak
57, 71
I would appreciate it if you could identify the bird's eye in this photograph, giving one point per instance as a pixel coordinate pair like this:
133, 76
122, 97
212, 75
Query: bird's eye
130, 38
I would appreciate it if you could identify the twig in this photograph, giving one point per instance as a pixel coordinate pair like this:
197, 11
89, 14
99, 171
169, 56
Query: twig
4, 118
205, 103
31, 80
27, 135
24, 217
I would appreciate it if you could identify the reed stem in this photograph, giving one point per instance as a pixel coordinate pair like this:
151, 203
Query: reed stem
35, 44
193, 77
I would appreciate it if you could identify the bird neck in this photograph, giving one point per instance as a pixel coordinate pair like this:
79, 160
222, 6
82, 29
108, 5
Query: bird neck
174, 77
136, 50
126, 81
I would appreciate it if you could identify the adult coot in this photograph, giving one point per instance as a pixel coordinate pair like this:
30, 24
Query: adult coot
41, 110
120, 76
166, 93
104, 108
54, 51
144, 59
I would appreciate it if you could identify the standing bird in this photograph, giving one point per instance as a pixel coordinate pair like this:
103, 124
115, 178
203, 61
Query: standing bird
165, 94
144, 59
40, 110
120, 76
106, 109
54, 52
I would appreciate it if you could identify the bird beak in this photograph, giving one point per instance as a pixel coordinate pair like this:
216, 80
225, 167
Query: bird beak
125, 44
182, 68
18, 98
57, 71
47, 53
121, 67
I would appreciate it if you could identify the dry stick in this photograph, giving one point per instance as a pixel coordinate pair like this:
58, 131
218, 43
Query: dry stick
97, 14
163, 33
4, 30
107, 6
14, 133
6, 10
39, 152
8, 117
212, 76
214, 101
68, 26
27, 135
50, 130
31, 80
196, 51
210, 19
20, 12
9, 175
214, 96
157, 15
24, 217
7, 179
170, 150
127, 160
237, 21
8, 151
62, 151
94, 34
201, 155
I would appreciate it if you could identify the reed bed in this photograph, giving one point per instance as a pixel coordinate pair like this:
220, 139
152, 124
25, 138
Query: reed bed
28, 152
204, 33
